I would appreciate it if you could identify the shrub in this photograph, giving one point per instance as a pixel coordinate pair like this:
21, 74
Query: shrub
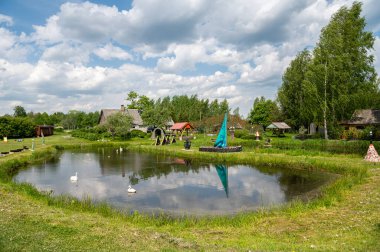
241, 133
137, 133
58, 129
354, 134
250, 137
87, 134
335, 132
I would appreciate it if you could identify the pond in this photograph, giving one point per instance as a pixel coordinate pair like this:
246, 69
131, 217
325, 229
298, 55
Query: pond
169, 184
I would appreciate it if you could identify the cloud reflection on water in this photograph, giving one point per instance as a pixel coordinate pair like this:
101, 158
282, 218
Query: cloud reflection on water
166, 183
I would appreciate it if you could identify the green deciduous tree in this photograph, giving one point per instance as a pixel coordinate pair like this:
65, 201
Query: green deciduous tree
294, 94
264, 112
119, 124
159, 114
132, 99
338, 78
342, 58
19, 111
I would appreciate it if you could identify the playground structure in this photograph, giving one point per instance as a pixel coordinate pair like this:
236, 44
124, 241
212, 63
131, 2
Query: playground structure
163, 138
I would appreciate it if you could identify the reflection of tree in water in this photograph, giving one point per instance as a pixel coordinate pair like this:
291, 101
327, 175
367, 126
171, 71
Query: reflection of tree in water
53, 160
142, 166
295, 184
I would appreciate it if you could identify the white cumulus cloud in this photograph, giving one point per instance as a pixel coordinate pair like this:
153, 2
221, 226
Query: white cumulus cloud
110, 51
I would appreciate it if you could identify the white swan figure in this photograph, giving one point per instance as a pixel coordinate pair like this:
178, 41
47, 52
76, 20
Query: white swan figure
130, 189
74, 178
121, 149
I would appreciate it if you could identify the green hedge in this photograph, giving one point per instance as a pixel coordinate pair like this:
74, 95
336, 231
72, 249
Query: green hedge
137, 133
92, 134
16, 127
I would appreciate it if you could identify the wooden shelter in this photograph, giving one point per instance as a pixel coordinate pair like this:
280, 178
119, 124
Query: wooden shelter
278, 128
44, 130
181, 127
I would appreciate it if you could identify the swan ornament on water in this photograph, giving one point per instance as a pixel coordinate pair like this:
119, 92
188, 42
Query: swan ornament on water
131, 190
74, 178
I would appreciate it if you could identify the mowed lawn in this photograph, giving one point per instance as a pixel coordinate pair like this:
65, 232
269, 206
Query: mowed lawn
30, 222
39, 142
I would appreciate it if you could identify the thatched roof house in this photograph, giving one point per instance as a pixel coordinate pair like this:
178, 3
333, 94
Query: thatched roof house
137, 122
362, 118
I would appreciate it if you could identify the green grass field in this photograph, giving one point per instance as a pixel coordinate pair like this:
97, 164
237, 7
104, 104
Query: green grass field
345, 218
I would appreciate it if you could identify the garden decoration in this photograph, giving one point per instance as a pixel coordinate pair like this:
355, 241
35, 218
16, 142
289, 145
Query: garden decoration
220, 144
372, 155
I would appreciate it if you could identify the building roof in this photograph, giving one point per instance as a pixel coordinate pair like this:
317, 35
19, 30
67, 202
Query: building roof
170, 122
278, 125
134, 113
364, 117
182, 126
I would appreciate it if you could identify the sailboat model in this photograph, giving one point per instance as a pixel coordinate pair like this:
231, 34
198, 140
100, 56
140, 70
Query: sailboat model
220, 144
221, 140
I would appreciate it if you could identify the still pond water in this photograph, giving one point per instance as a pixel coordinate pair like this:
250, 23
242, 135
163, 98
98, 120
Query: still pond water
168, 184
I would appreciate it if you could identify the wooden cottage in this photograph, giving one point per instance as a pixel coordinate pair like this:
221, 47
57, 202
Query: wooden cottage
137, 122
362, 118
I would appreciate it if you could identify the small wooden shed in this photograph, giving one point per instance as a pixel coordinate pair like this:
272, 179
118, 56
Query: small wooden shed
44, 130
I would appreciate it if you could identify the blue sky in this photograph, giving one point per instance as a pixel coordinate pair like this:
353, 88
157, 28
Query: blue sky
87, 55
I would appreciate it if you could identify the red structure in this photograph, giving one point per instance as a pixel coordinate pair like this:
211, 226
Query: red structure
44, 130
182, 127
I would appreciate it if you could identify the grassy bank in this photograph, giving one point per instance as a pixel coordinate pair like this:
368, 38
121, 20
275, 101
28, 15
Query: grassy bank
345, 218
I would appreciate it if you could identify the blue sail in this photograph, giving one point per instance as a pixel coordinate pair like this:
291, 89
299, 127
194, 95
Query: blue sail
221, 141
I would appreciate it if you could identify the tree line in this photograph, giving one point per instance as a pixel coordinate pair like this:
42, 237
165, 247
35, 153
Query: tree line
22, 124
179, 108
74, 119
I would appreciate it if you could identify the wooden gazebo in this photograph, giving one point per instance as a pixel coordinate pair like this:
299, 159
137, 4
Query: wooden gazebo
181, 127
278, 128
